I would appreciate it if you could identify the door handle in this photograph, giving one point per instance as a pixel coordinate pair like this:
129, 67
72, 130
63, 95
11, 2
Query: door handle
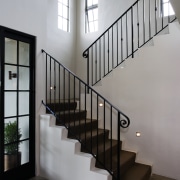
12, 75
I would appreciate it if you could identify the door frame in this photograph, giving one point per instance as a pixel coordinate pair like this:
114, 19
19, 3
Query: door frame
28, 169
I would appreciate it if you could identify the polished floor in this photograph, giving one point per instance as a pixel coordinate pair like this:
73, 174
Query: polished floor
154, 177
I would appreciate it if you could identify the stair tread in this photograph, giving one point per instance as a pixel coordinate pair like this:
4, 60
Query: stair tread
125, 156
80, 122
127, 159
66, 112
137, 172
93, 132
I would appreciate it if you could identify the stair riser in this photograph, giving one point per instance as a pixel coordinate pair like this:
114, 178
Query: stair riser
62, 106
106, 159
93, 143
70, 117
82, 128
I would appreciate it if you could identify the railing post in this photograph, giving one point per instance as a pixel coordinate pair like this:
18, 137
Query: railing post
118, 148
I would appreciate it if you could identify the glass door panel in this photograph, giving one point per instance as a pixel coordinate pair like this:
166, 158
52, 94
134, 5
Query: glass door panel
10, 82
24, 53
17, 102
10, 104
17, 87
10, 51
24, 76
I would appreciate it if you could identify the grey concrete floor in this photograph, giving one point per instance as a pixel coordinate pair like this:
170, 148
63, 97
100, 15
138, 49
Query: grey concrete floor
154, 177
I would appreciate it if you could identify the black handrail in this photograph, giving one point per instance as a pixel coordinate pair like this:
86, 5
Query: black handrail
63, 86
144, 17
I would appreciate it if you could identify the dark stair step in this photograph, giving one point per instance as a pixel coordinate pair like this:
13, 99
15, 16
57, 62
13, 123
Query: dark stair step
89, 138
70, 115
106, 158
81, 128
63, 105
137, 172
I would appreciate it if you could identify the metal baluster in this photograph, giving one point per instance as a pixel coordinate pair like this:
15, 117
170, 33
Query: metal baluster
50, 82
104, 54
127, 35
112, 48
156, 16
132, 29
99, 59
96, 62
121, 41
118, 147
144, 22
91, 121
117, 44
108, 51
92, 65
47, 88
104, 157
149, 19
138, 21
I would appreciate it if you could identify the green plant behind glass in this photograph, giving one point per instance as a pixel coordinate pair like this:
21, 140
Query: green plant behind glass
11, 136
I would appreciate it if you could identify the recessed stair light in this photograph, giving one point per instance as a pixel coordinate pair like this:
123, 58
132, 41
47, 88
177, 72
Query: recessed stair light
100, 104
138, 134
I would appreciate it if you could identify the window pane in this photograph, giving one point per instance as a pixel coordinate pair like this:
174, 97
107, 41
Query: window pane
65, 12
24, 127
10, 51
10, 104
24, 149
65, 2
89, 2
165, 1
23, 78
95, 25
60, 12
60, 23
168, 10
90, 15
24, 53
23, 103
65, 24
91, 26
96, 14
10, 84
95, 2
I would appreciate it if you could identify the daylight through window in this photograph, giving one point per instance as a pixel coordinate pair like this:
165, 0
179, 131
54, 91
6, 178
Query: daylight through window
91, 15
167, 8
63, 15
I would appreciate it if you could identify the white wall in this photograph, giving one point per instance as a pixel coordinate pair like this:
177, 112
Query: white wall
39, 18
148, 91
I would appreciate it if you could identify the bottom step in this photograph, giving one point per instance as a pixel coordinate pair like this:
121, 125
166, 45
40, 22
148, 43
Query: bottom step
157, 177
138, 172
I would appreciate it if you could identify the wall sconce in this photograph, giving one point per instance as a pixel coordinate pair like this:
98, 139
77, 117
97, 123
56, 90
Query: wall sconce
12, 75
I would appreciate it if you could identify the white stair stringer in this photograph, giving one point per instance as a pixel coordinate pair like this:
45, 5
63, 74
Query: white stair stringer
60, 157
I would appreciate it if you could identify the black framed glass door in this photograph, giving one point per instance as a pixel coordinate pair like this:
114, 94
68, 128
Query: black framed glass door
17, 104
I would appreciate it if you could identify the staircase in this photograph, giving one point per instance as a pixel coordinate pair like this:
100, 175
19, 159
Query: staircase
96, 139
87, 115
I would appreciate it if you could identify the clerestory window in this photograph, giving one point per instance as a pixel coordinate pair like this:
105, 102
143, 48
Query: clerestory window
91, 13
167, 8
63, 15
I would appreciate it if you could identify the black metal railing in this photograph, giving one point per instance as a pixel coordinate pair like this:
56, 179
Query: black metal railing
132, 30
98, 115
